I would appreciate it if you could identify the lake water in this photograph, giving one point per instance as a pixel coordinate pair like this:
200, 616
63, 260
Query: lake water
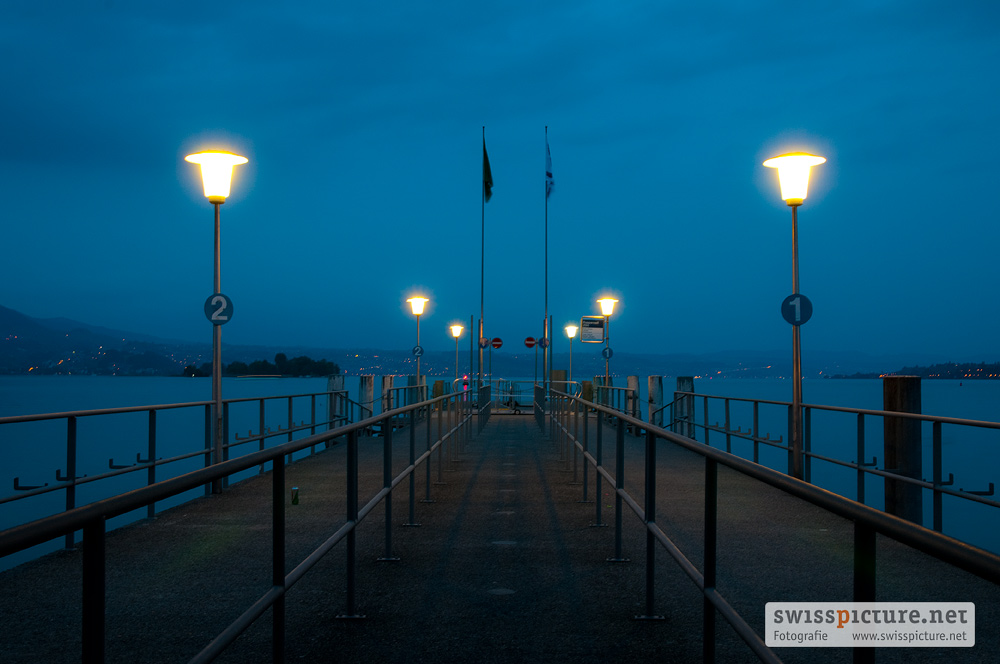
35, 452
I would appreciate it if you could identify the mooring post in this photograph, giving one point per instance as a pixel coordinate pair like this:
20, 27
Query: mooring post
685, 406
902, 442
654, 400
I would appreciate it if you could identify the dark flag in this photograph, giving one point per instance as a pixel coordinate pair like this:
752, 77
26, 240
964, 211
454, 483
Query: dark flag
549, 182
487, 175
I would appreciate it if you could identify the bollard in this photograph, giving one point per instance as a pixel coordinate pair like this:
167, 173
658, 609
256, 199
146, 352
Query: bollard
632, 397
334, 383
684, 408
902, 447
387, 395
655, 400
366, 392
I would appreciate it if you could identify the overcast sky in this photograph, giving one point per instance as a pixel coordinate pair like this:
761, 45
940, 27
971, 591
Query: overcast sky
363, 126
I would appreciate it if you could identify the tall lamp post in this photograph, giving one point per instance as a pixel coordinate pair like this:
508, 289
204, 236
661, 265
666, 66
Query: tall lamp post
571, 332
456, 331
417, 306
793, 177
607, 308
216, 176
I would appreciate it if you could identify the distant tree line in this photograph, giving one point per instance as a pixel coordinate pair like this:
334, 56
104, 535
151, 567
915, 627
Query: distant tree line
282, 366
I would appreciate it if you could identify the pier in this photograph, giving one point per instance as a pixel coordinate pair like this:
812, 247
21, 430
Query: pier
572, 534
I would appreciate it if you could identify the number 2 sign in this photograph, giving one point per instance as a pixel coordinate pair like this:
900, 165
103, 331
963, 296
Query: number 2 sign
218, 309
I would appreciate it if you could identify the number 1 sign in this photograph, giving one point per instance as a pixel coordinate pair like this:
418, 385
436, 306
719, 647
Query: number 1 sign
796, 309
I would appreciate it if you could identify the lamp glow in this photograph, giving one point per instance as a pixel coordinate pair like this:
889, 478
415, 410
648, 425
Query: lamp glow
607, 305
456, 331
793, 174
216, 172
571, 331
417, 304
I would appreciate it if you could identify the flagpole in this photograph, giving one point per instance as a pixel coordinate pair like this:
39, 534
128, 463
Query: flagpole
548, 341
482, 263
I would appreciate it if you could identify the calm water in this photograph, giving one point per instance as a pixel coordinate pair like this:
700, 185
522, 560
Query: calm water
35, 452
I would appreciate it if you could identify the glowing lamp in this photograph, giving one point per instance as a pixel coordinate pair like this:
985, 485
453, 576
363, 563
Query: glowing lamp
216, 172
417, 304
571, 331
456, 331
607, 305
793, 174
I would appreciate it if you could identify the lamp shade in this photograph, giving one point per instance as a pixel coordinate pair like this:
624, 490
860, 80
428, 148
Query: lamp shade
417, 304
216, 171
607, 305
793, 174
571, 331
456, 331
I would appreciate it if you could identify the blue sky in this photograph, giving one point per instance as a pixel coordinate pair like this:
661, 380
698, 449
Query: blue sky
363, 126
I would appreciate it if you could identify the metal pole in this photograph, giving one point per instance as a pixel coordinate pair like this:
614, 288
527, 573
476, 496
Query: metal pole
607, 344
217, 358
570, 361
796, 434
418, 357
456, 359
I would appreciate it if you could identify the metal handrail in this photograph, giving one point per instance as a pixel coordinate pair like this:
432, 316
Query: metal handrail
71, 480
92, 519
868, 521
938, 484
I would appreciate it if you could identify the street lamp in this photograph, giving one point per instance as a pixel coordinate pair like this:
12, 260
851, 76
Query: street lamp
417, 306
607, 308
571, 332
793, 177
216, 176
456, 331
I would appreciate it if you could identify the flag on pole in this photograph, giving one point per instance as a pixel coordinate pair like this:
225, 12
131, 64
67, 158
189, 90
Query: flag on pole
549, 182
487, 175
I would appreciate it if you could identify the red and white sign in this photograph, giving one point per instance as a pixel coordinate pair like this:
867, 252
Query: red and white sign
497, 342
530, 342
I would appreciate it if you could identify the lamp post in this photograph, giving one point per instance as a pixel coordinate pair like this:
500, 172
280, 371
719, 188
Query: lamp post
607, 308
571, 332
417, 306
793, 177
456, 331
216, 176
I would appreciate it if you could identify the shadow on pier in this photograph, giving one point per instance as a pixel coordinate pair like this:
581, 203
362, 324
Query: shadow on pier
506, 565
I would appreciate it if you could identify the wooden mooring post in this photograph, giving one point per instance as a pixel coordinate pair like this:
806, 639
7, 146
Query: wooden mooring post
902, 447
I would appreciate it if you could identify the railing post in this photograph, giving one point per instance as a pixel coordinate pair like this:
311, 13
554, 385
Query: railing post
864, 578
352, 518
598, 456
585, 418
571, 415
619, 485
387, 484
278, 562
650, 514
706, 420
223, 443
209, 486
427, 464
70, 471
937, 477
861, 458
711, 518
756, 432
729, 437
151, 460
94, 589
262, 443
412, 522
807, 445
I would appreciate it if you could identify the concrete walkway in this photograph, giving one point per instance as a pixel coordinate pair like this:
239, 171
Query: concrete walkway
504, 567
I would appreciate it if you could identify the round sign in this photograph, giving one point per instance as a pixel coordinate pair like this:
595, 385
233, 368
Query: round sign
418, 351
218, 309
530, 342
607, 353
497, 342
796, 309
543, 342
483, 342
